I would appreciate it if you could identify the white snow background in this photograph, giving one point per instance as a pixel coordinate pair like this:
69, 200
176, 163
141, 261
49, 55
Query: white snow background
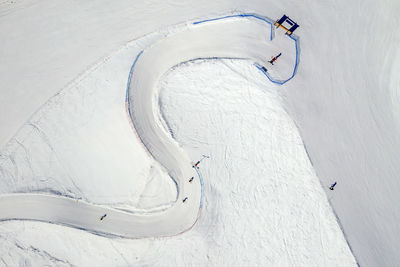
263, 203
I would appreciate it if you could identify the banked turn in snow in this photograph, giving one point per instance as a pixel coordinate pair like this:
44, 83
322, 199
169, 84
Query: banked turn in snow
231, 37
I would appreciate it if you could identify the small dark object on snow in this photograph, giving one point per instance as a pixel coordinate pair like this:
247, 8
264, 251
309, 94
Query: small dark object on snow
333, 186
264, 69
102, 217
191, 179
184, 199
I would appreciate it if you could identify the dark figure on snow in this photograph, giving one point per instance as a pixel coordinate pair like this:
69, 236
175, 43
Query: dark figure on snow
196, 165
274, 58
333, 186
102, 217
184, 199
191, 179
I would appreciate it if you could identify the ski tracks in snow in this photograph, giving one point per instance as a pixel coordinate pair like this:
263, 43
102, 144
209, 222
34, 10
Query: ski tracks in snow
233, 37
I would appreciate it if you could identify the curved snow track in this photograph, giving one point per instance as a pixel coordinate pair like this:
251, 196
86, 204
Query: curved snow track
236, 36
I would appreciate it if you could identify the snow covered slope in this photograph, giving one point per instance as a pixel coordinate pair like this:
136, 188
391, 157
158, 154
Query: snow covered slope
49, 43
343, 104
344, 98
80, 145
74, 117
262, 199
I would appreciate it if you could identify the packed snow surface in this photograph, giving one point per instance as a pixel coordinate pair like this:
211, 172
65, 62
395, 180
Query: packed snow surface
80, 144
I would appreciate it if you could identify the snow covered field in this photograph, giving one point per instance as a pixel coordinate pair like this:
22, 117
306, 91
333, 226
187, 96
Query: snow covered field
262, 202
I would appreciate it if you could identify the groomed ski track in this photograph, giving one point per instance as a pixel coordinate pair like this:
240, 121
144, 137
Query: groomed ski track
227, 37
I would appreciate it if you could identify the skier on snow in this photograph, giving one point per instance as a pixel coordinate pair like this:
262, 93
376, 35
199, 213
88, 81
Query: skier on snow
333, 186
274, 58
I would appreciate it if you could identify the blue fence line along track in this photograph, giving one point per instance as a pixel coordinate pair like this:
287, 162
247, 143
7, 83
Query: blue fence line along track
201, 185
270, 22
130, 76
